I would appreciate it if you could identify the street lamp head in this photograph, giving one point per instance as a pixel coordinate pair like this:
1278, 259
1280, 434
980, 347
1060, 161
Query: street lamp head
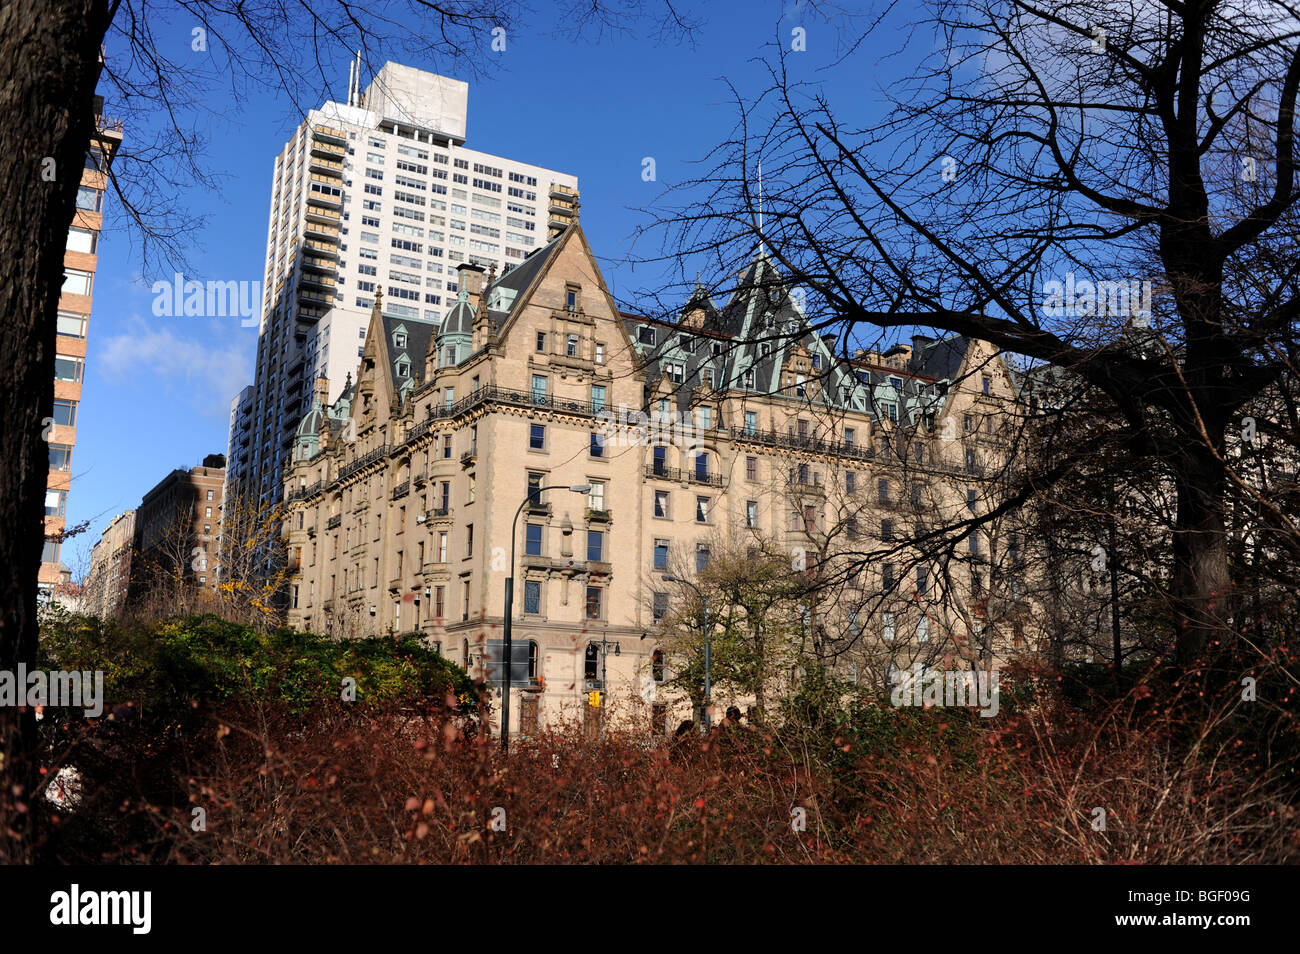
580, 488
669, 578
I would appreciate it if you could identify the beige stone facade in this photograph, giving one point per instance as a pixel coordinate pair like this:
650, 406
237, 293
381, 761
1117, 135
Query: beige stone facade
741, 425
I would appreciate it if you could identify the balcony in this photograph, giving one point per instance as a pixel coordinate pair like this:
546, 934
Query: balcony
334, 522
325, 165
401, 490
321, 211
468, 458
328, 134
321, 231
683, 476
597, 516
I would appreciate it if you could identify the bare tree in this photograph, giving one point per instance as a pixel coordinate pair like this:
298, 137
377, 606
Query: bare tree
1039, 165
51, 67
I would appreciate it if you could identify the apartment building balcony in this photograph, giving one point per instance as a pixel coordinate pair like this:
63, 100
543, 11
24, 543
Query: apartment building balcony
598, 516
325, 165
301, 493
321, 302
334, 522
439, 512
683, 476
328, 282
329, 134
327, 249
320, 198
468, 458
401, 490
320, 209
419, 480
320, 230
320, 265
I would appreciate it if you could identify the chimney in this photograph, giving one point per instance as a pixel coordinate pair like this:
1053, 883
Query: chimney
920, 343
322, 389
469, 278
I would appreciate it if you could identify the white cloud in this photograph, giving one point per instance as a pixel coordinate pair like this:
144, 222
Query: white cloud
165, 363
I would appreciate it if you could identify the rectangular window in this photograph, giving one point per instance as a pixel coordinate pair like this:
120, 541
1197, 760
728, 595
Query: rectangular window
887, 575
439, 602
660, 460
597, 445
751, 514
56, 501
76, 282
442, 546
922, 581
751, 422
887, 531
701, 557
597, 398
539, 389
532, 596
60, 457
701, 509
571, 346
661, 555
594, 602
751, 468
65, 413
71, 325
84, 240
661, 503
595, 546
850, 481
887, 626
660, 606
469, 540
89, 199
67, 368
541, 341
882, 489
537, 437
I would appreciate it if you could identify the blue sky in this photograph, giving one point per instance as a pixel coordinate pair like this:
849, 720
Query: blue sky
157, 390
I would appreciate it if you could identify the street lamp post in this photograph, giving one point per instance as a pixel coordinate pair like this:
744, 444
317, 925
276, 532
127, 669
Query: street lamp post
510, 603
704, 611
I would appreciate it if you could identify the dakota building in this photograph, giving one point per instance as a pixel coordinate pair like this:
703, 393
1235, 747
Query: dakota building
533, 396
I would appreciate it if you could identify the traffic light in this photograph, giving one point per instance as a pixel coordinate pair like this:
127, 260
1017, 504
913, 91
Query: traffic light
593, 698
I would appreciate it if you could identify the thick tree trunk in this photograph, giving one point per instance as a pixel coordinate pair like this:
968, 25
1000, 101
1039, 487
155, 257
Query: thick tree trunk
49, 66
1201, 582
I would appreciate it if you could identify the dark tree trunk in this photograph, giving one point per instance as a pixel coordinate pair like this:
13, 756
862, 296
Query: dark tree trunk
1200, 578
49, 61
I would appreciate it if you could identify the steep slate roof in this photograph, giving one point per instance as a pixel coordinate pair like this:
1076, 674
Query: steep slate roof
759, 327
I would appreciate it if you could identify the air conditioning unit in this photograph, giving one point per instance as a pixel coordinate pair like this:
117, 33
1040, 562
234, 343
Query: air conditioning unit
421, 517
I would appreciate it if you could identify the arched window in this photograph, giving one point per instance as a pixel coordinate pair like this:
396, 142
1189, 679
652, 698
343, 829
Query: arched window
532, 659
464, 653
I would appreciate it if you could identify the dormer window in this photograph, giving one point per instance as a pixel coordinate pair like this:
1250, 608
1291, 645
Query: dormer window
765, 348
571, 299
747, 379
896, 383
645, 335
403, 369
399, 339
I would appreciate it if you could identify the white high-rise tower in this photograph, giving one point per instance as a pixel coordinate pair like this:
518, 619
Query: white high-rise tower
378, 192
